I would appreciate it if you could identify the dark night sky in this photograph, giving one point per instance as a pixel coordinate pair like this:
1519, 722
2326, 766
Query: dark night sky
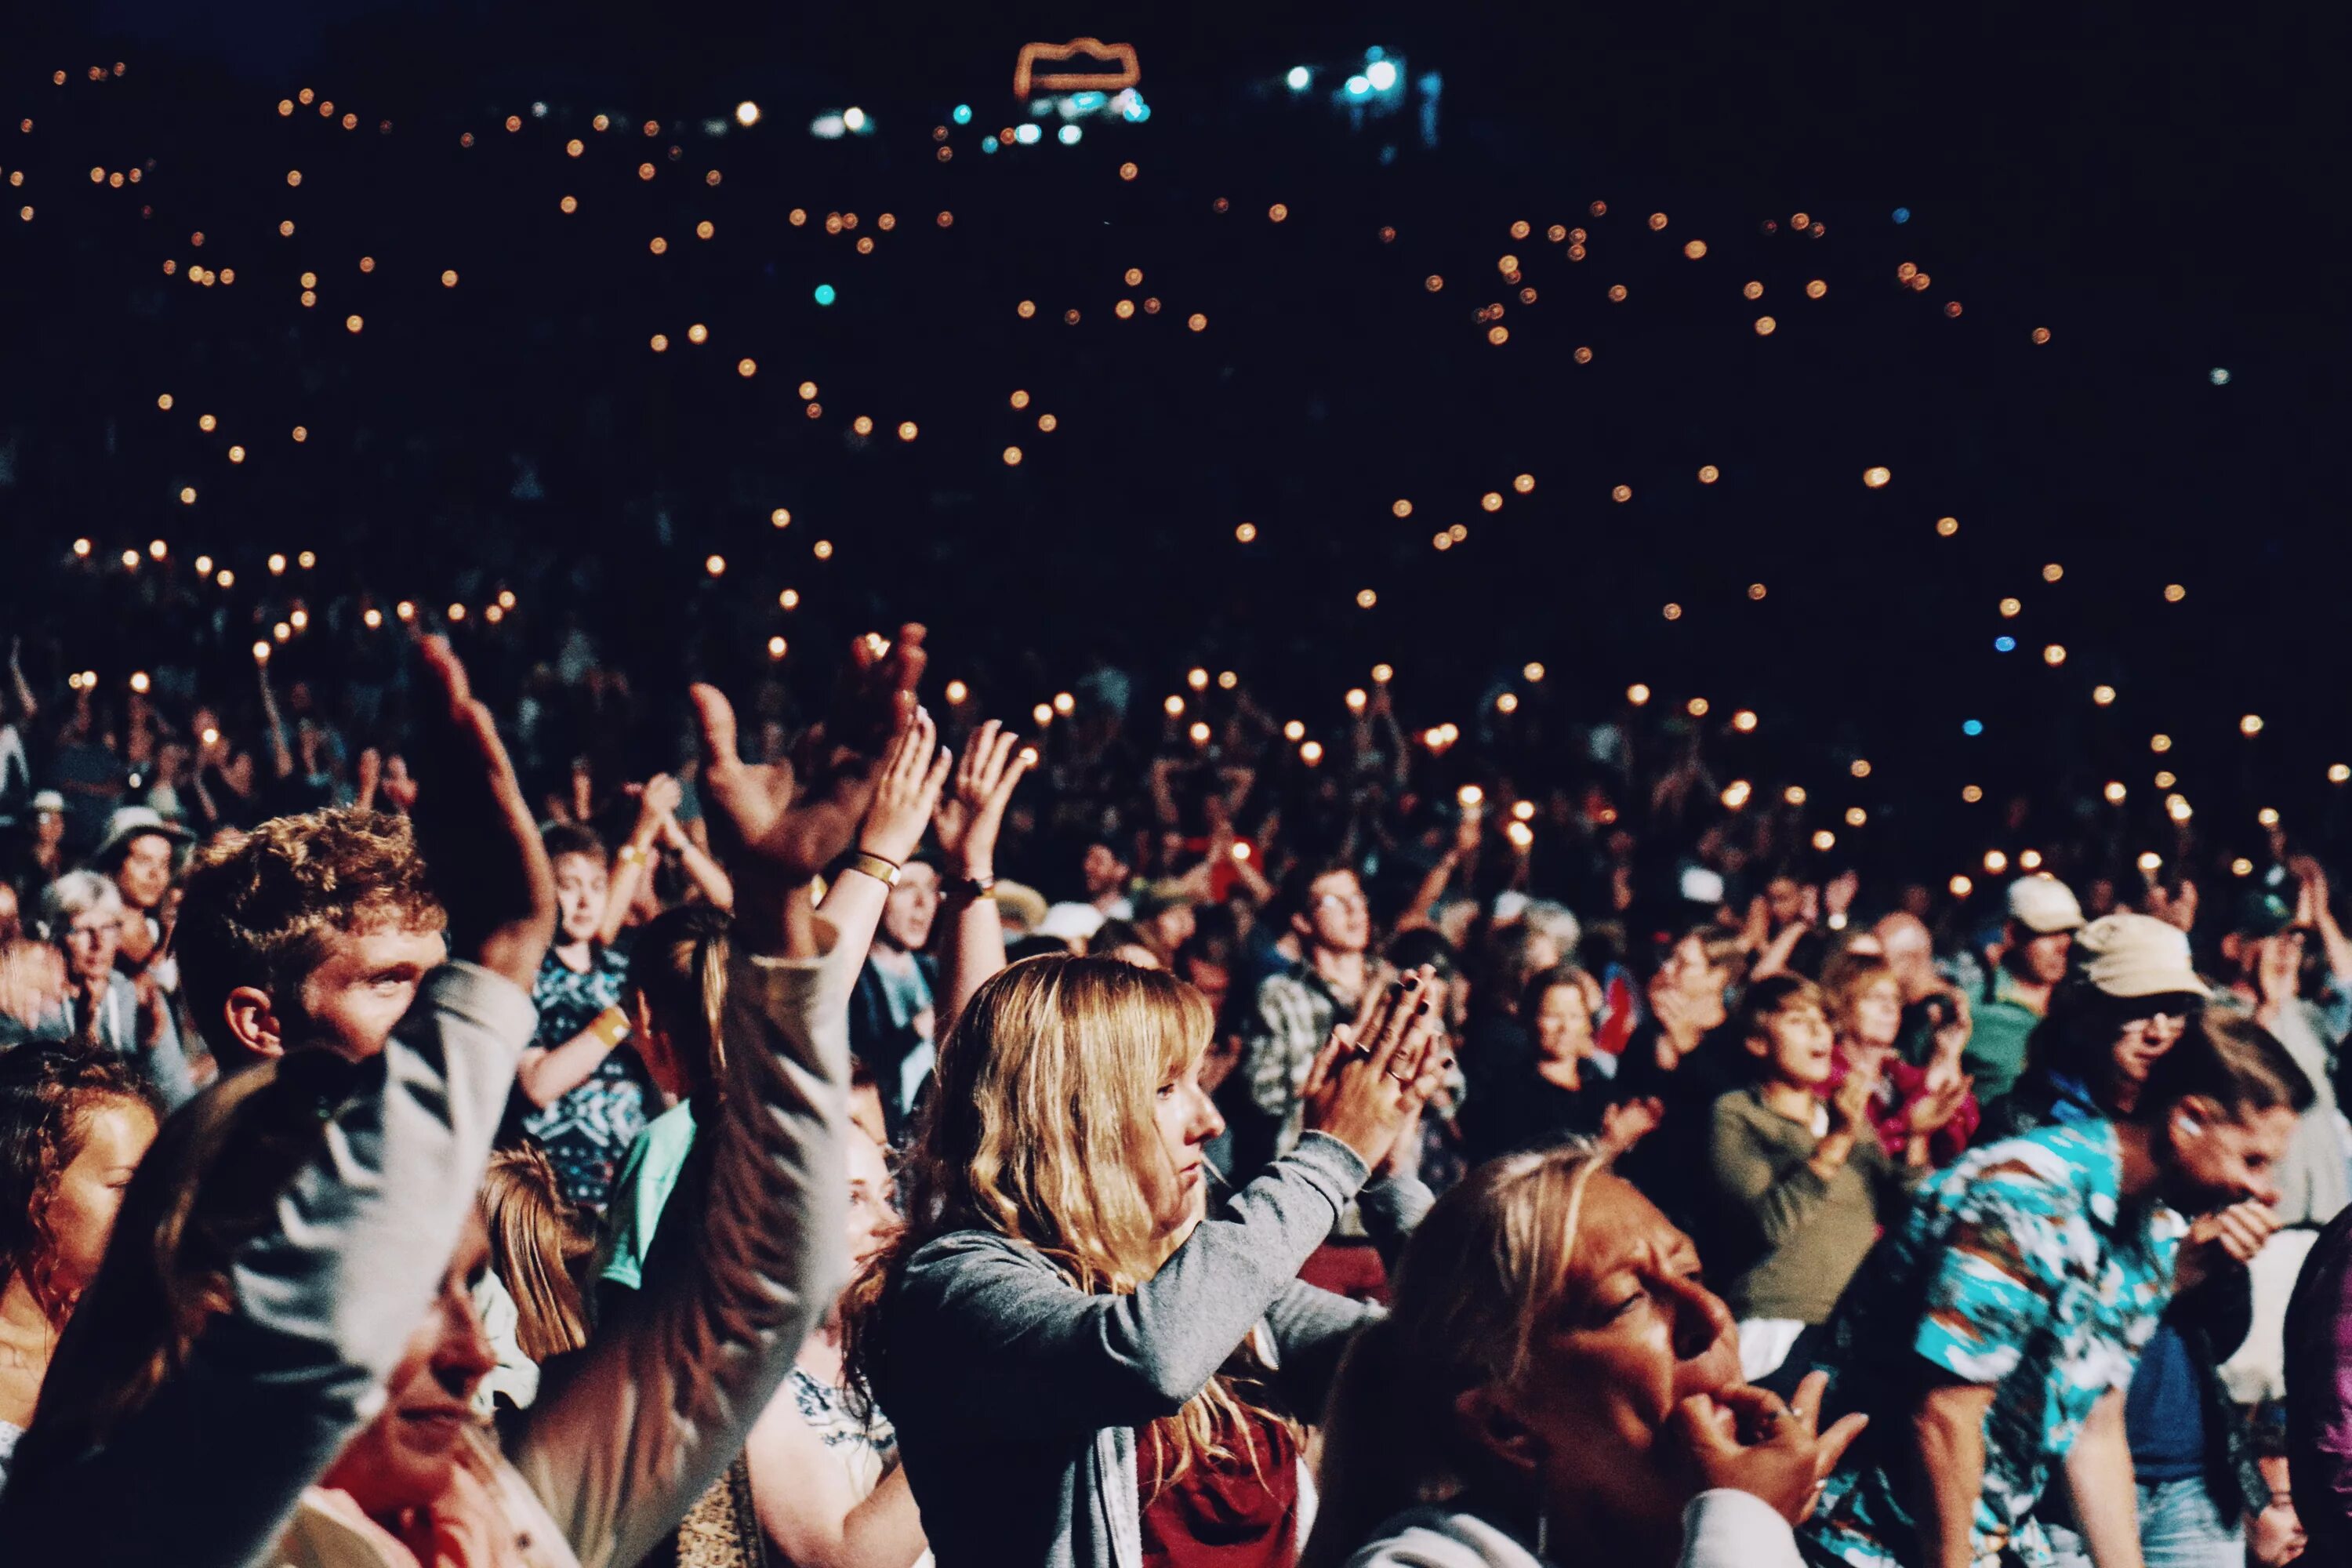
2161, 186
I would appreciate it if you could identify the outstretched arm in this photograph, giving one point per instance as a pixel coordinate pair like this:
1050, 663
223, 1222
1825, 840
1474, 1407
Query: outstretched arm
968, 823
327, 1296
653, 1410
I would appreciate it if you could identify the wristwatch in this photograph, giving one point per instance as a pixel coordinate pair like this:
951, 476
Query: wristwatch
966, 887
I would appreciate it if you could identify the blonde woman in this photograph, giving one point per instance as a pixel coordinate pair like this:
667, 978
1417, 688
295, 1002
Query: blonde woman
1555, 1385
1086, 1365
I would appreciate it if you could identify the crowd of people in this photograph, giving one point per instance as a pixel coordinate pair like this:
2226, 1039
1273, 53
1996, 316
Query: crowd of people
424, 1145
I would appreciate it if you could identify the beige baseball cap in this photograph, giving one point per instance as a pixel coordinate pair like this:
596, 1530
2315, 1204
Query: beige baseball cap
2128, 955
2044, 905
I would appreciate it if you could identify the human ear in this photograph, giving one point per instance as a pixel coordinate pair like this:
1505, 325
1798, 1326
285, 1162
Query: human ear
252, 1020
2194, 1117
1497, 1428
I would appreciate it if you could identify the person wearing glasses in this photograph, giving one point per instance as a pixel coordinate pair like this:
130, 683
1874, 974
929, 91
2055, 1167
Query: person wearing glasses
2133, 999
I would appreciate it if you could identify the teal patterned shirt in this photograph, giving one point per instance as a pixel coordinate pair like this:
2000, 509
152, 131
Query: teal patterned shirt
2020, 1267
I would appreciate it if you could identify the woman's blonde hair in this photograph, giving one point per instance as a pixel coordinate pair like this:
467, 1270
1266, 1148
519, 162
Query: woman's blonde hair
678, 965
1039, 1129
1487, 1267
1847, 979
535, 1243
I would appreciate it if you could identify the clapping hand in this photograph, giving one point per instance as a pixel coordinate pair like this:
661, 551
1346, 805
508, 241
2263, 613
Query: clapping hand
1371, 1079
971, 815
1850, 1108
1628, 1122
1941, 1100
907, 790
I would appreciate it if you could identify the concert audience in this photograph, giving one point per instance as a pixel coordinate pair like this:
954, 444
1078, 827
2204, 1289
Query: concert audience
1090, 1339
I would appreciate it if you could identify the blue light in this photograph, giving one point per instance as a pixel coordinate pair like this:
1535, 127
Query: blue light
1972, 727
1028, 135
1297, 79
1359, 86
1382, 75
2004, 644
824, 294
1376, 53
988, 144
962, 115
1902, 214
2218, 377
1070, 134
1086, 101
1137, 112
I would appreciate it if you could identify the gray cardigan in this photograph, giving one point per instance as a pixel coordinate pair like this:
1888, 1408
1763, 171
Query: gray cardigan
625, 1436
1017, 1395
206, 1472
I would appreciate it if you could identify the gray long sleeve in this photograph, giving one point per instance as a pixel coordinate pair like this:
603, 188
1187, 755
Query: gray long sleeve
1015, 1340
649, 1414
208, 1472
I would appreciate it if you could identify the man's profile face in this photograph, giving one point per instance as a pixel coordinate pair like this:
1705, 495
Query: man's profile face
2219, 1159
361, 985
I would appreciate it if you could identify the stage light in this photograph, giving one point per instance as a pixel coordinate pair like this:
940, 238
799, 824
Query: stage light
824, 294
1299, 76
747, 114
1382, 74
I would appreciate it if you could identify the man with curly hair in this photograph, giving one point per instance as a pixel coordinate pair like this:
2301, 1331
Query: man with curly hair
309, 931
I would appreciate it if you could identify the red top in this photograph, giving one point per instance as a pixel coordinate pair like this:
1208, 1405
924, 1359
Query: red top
1899, 1084
1224, 1514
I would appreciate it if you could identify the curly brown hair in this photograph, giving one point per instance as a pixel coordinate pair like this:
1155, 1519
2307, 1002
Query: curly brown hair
254, 905
47, 1094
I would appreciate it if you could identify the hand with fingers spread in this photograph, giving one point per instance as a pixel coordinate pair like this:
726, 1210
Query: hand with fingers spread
1371, 1078
1746, 1439
480, 846
973, 813
775, 825
906, 792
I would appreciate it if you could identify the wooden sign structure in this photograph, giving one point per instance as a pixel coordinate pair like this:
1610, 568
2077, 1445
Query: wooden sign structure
1113, 68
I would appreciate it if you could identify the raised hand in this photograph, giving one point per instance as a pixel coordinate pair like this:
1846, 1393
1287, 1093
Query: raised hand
971, 815
481, 848
1849, 1111
1933, 1110
1837, 893
1626, 1123
871, 703
399, 783
1746, 1440
907, 790
774, 826
1371, 1079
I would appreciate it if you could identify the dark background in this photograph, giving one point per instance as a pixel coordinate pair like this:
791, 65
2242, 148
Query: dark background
2162, 189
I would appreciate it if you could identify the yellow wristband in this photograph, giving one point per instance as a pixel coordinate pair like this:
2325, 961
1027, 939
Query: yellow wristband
611, 1027
883, 871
